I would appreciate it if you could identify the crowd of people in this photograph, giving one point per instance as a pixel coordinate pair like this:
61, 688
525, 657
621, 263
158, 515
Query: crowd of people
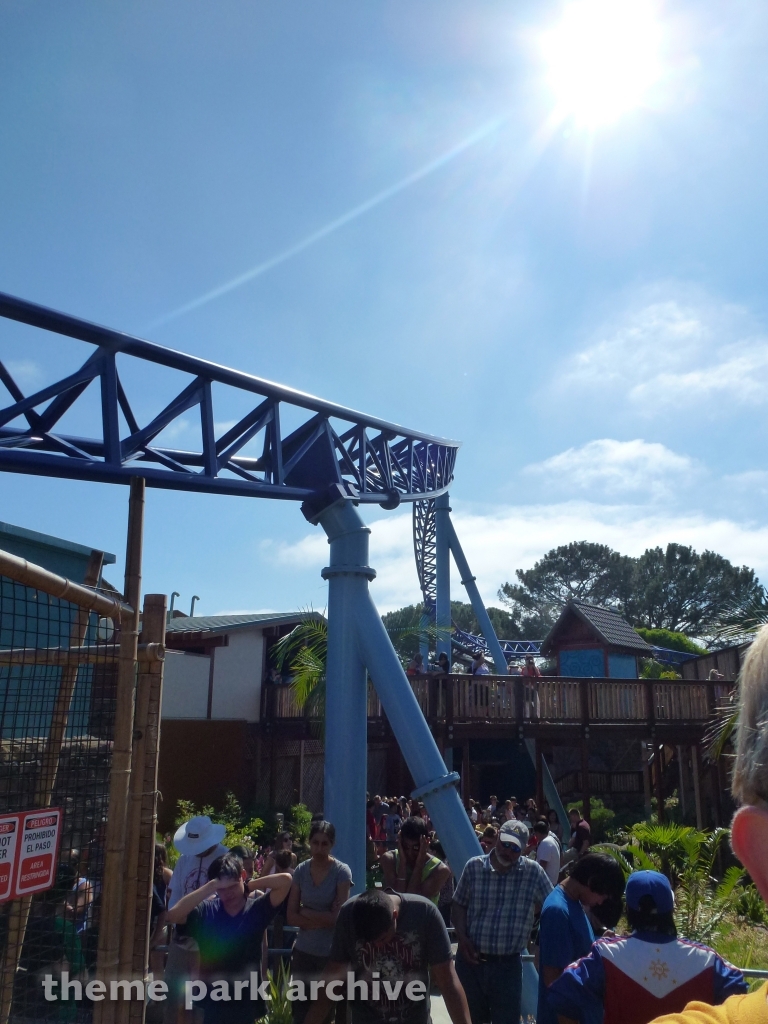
535, 888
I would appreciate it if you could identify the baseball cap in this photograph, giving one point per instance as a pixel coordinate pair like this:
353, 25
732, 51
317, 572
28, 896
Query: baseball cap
653, 884
514, 834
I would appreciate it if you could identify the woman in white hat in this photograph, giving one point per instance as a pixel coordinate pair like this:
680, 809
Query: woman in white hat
199, 843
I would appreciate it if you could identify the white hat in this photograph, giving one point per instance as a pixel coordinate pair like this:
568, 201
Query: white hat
198, 835
514, 833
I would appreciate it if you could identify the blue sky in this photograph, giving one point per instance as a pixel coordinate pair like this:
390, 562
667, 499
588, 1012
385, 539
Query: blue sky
585, 308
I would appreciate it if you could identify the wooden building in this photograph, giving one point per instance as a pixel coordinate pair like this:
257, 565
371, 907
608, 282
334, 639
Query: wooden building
591, 641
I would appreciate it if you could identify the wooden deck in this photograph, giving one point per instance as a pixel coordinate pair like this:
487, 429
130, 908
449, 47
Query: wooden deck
537, 706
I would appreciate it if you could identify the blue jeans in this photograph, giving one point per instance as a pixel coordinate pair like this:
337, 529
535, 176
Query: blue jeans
493, 989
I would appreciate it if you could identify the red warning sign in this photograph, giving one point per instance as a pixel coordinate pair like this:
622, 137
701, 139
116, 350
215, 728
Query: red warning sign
29, 851
9, 835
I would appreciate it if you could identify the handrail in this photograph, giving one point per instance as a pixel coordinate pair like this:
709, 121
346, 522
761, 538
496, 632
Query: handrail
558, 700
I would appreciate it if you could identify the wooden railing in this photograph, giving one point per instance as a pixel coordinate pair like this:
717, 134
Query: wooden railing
548, 700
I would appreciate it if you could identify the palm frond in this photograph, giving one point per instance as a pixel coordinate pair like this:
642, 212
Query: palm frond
740, 622
723, 725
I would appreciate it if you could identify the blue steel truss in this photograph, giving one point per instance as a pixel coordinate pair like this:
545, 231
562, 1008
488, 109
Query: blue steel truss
511, 648
425, 550
372, 460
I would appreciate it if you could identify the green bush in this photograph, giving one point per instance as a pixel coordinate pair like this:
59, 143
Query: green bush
669, 639
242, 830
299, 820
600, 815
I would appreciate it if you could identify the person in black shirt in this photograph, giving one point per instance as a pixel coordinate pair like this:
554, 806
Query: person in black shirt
229, 926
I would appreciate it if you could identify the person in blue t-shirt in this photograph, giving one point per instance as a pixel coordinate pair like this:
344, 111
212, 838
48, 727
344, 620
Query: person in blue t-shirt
228, 926
565, 933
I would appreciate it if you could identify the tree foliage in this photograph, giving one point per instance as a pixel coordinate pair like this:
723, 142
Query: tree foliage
404, 625
670, 640
687, 857
675, 589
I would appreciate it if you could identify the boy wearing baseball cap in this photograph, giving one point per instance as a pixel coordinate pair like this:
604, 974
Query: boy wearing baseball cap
634, 978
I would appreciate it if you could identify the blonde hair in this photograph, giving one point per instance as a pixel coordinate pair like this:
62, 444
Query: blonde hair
750, 773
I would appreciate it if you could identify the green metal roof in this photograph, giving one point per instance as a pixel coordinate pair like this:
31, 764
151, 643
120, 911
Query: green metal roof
226, 623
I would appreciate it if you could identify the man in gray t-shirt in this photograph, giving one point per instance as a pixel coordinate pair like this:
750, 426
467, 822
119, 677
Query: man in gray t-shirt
392, 943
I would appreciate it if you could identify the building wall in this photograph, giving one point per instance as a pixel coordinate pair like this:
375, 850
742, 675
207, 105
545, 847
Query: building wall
201, 761
584, 662
185, 685
237, 674
622, 666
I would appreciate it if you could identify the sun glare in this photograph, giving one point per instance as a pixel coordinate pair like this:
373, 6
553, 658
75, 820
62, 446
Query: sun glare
603, 58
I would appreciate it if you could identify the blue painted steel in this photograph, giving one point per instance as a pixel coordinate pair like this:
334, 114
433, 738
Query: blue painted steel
364, 637
425, 764
468, 580
346, 703
424, 551
443, 576
668, 657
378, 461
511, 648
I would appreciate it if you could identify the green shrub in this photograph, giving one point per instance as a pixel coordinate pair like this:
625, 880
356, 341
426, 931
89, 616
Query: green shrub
669, 639
600, 815
242, 830
299, 820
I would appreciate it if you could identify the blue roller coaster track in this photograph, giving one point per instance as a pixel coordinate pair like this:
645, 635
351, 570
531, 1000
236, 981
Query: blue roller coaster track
374, 461
424, 546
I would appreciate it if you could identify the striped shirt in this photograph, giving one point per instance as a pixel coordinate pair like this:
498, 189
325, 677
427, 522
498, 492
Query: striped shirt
500, 906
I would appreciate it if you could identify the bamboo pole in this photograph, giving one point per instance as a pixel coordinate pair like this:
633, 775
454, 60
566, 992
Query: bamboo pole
49, 765
108, 957
63, 656
153, 626
139, 859
22, 571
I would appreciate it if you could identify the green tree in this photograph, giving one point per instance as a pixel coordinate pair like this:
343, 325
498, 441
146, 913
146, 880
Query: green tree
680, 590
581, 570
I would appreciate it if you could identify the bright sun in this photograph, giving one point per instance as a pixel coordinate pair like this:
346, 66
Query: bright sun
602, 58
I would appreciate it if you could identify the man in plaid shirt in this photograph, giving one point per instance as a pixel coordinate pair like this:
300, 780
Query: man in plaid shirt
493, 910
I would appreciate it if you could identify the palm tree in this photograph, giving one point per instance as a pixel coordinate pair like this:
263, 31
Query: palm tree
303, 653
687, 857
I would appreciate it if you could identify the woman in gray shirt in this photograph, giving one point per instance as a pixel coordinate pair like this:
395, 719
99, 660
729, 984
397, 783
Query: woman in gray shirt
320, 886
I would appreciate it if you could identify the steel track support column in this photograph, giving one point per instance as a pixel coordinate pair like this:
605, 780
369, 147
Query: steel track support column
346, 699
499, 661
443, 576
468, 581
357, 638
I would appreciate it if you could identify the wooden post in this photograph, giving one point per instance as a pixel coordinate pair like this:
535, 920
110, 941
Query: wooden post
142, 809
466, 792
539, 774
586, 795
658, 764
110, 923
46, 782
682, 773
696, 771
646, 779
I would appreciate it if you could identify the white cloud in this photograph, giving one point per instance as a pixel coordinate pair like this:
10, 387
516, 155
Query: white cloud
499, 540
618, 467
753, 481
24, 371
684, 350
